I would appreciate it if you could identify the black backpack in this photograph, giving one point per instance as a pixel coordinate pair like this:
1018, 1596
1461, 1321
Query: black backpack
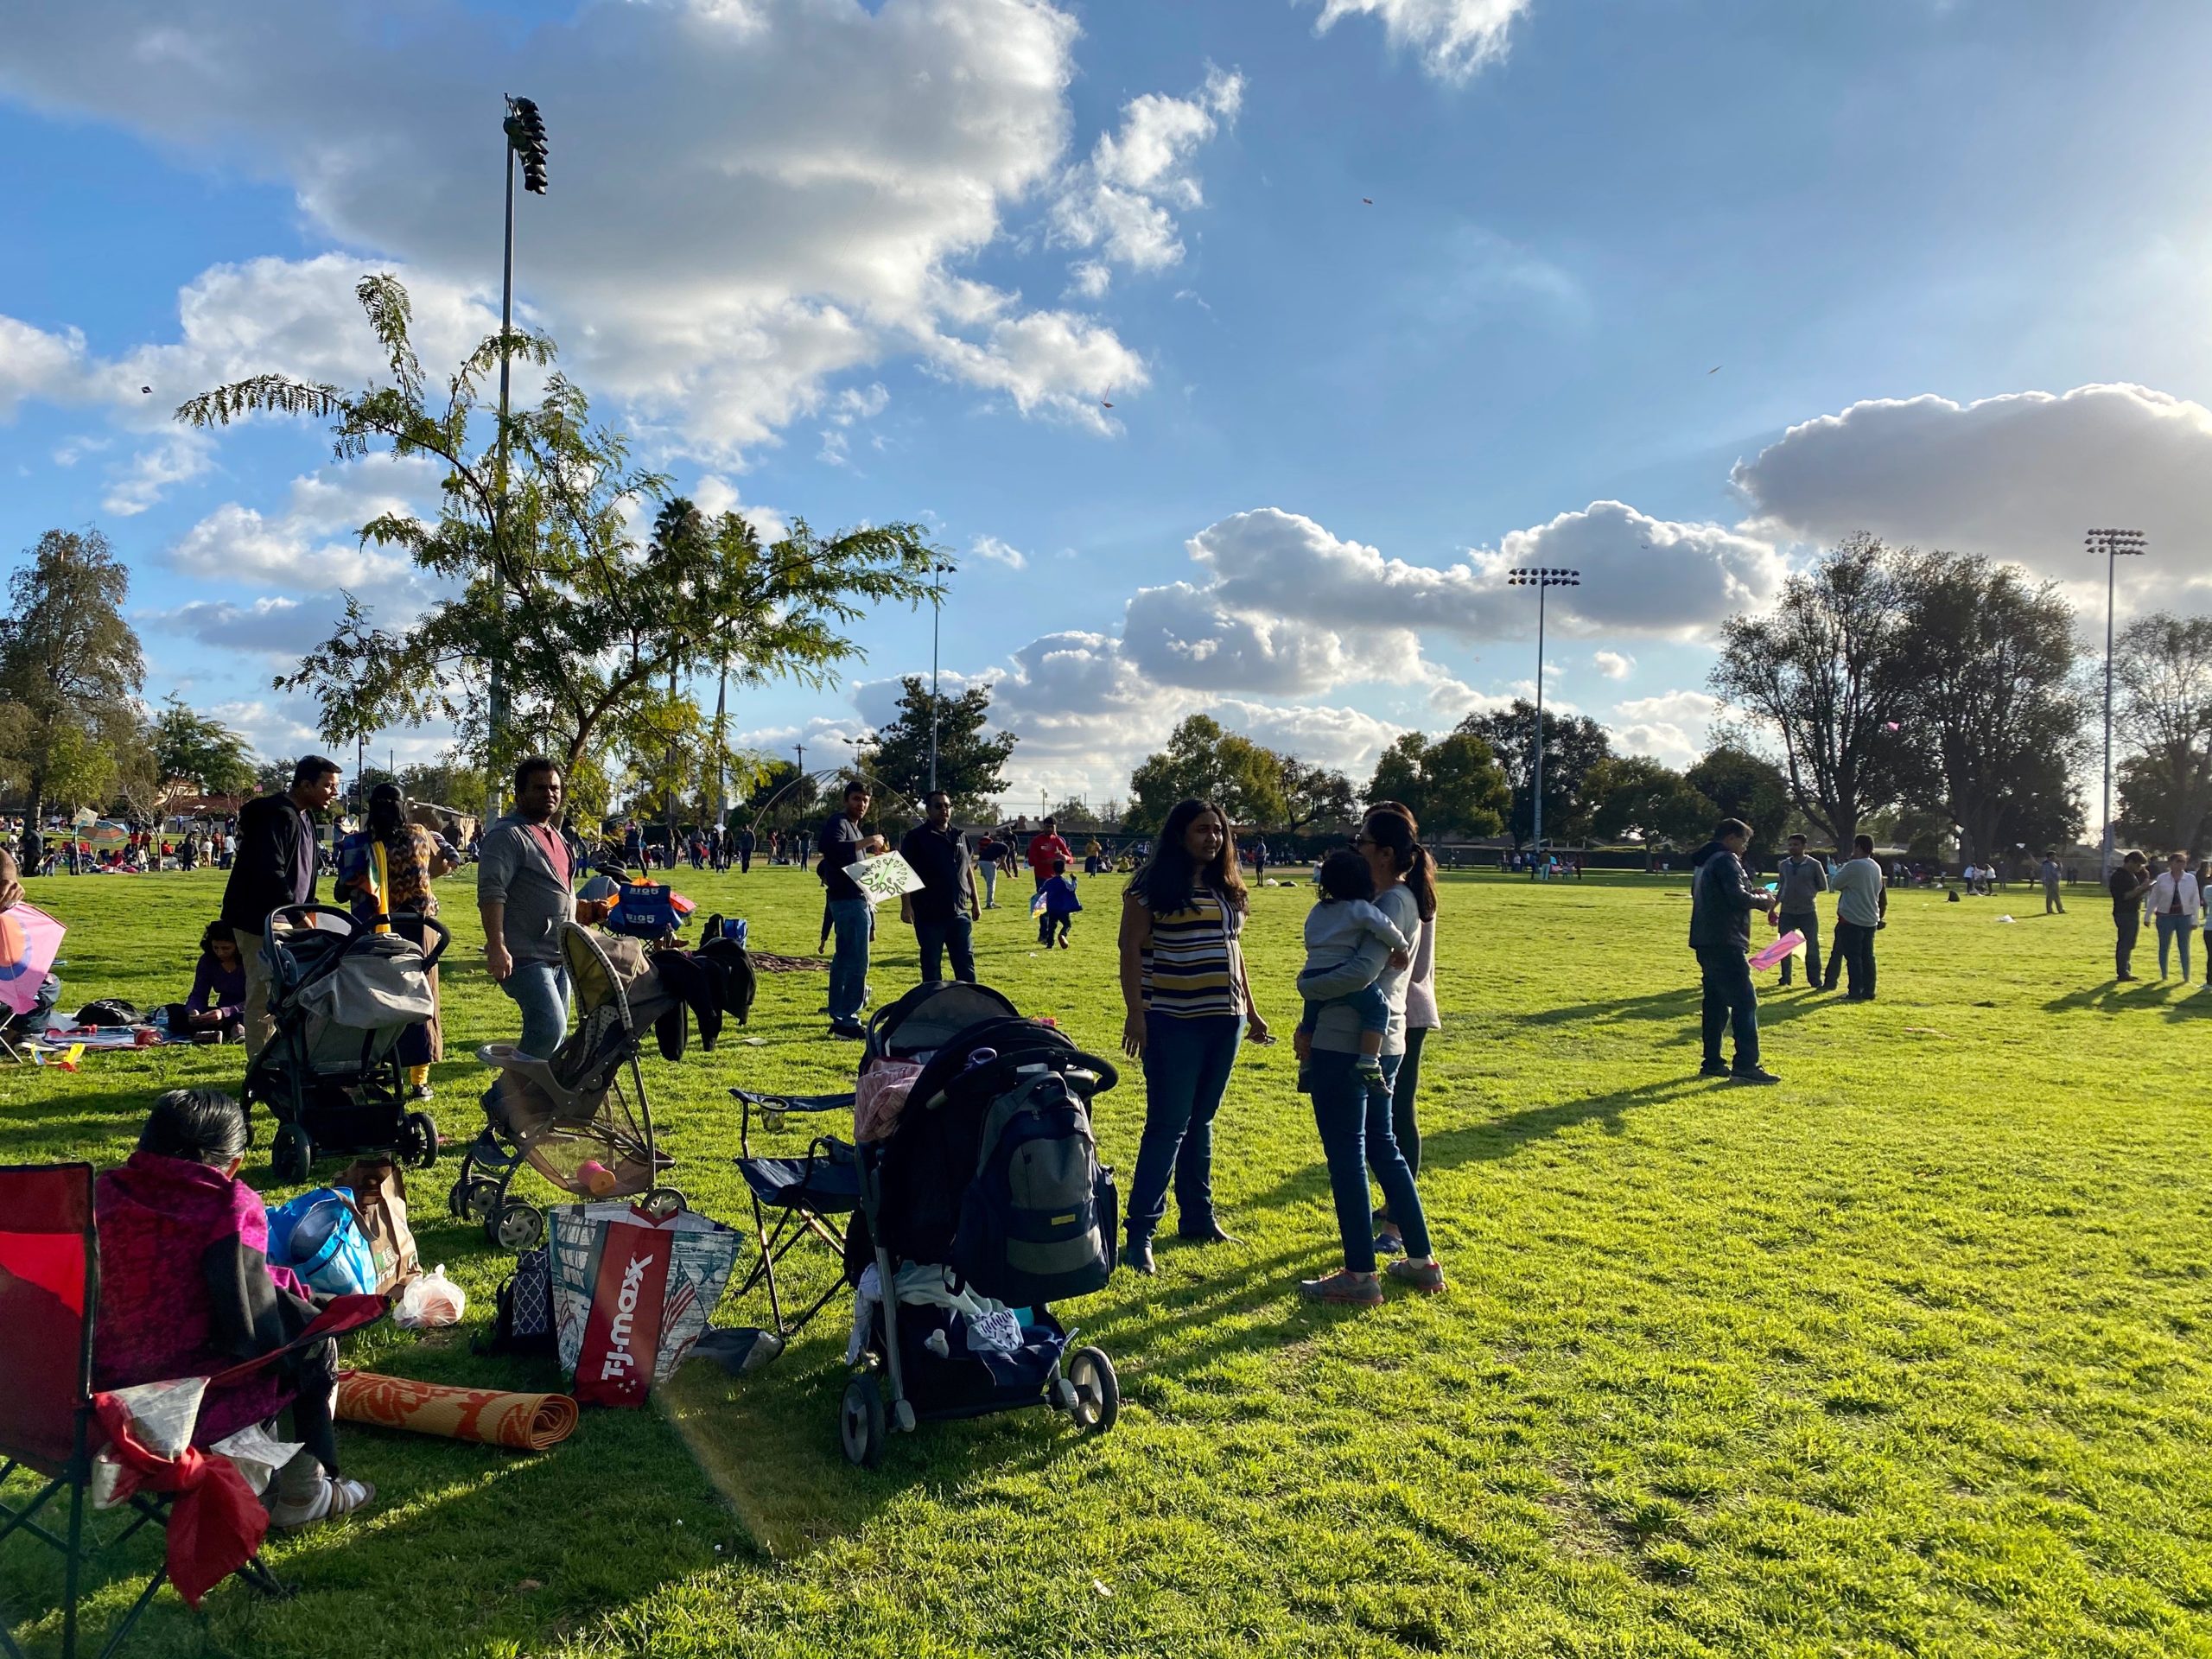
1038, 1221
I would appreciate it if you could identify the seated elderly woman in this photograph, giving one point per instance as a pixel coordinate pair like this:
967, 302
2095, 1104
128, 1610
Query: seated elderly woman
217, 1001
187, 1289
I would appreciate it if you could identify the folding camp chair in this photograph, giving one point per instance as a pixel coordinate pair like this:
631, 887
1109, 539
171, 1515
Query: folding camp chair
49, 1290
807, 1193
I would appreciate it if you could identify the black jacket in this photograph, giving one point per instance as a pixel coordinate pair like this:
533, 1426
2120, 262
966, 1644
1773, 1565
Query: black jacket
265, 874
1722, 899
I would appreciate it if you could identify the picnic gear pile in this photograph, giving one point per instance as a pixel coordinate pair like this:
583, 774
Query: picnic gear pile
341, 995
971, 1198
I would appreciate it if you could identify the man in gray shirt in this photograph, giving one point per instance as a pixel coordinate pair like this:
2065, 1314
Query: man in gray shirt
1802, 880
523, 875
1862, 898
2052, 904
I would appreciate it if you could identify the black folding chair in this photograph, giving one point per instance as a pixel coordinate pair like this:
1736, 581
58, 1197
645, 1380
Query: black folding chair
49, 1293
808, 1196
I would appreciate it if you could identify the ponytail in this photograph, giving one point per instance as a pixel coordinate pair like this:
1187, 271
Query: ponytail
1391, 826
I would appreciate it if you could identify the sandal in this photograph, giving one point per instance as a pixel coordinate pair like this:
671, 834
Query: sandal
336, 1497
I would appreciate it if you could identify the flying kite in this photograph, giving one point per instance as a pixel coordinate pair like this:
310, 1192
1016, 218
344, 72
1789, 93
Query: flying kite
146, 389
1370, 200
1715, 369
1103, 403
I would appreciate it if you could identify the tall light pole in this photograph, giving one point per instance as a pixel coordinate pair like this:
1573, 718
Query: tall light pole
936, 611
526, 131
2114, 544
1540, 577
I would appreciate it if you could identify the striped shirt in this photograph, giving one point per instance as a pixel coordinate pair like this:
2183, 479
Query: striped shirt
1190, 967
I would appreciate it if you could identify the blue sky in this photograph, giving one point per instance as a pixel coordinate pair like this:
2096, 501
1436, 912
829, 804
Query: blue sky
891, 261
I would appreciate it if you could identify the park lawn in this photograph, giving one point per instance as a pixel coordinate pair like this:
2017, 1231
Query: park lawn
1905, 1356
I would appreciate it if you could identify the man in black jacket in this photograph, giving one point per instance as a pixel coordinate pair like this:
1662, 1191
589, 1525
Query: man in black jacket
275, 867
1722, 899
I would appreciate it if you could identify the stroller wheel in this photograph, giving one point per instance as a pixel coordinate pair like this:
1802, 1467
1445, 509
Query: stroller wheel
418, 1140
860, 1423
1097, 1390
515, 1225
663, 1201
291, 1154
476, 1198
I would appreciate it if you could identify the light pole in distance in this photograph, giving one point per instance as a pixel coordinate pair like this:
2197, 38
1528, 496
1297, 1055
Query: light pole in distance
2114, 544
1540, 577
936, 615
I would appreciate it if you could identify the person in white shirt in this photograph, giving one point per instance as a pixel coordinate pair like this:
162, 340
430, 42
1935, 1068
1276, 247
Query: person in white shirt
2174, 903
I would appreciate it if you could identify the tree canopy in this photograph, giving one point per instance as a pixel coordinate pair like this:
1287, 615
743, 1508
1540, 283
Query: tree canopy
70, 670
970, 761
1572, 747
1453, 786
2162, 710
1636, 795
1203, 761
201, 751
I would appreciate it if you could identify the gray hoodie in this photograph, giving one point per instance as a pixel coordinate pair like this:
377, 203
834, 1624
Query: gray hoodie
1802, 878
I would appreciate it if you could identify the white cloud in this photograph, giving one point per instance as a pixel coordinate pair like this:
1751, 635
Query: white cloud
715, 495
805, 176
174, 458
998, 552
1641, 574
1089, 279
2018, 477
1612, 664
273, 625
1670, 726
1123, 200
1455, 38
36, 364
314, 545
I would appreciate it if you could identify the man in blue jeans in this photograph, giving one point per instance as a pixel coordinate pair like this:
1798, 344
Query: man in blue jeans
851, 917
1722, 899
522, 872
942, 912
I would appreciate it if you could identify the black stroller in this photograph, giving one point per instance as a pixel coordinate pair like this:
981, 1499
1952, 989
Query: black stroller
341, 995
985, 1202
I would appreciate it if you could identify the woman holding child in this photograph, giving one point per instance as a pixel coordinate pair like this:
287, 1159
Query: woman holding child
1351, 1092
1189, 1008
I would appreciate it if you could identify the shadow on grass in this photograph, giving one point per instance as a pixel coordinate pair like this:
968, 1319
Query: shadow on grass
2179, 999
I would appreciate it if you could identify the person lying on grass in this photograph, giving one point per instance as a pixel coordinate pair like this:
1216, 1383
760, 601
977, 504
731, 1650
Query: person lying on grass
187, 1289
1343, 923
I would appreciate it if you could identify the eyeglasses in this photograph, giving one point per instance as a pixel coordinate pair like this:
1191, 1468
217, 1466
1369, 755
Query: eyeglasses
1365, 840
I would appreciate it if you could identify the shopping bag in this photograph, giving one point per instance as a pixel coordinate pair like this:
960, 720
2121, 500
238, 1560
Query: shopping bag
380, 1199
632, 1292
319, 1236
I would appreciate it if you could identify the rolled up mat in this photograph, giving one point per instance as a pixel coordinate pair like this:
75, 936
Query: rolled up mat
527, 1422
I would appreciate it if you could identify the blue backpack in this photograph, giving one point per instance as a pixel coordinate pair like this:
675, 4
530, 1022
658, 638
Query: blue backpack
1038, 1221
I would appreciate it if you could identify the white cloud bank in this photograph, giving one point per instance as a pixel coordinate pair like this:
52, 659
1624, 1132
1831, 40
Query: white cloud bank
1455, 38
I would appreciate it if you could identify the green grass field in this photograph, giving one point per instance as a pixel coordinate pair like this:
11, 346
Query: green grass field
1904, 1357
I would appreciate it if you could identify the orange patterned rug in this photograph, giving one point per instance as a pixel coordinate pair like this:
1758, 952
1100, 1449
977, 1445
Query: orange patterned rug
528, 1422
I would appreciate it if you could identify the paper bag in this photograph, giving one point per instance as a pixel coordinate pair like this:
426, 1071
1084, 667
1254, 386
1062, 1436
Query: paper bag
380, 1196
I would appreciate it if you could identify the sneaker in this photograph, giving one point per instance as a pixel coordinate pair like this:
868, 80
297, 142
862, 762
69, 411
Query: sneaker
2126, 979
1427, 1277
848, 1031
1388, 1244
422, 1091
1352, 1289
1754, 1074
1713, 1069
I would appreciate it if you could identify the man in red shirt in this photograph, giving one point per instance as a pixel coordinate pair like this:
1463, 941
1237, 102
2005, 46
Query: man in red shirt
1044, 847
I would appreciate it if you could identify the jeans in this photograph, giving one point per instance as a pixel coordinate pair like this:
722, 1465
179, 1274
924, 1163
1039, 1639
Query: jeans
1730, 1000
2171, 928
2051, 902
745, 861
540, 990
990, 874
2128, 925
848, 919
1807, 922
1405, 1127
1186, 1067
1353, 1113
1368, 1004
1856, 941
932, 939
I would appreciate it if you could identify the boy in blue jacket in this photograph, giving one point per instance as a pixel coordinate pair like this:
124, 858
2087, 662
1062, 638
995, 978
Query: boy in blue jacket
1056, 905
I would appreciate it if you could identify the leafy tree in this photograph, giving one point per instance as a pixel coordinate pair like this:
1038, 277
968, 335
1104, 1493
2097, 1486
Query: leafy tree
443, 783
1830, 673
538, 572
970, 763
70, 667
1572, 747
201, 751
1314, 795
1453, 786
1741, 785
780, 793
273, 775
2162, 708
1202, 760
1636, 793
1996, 708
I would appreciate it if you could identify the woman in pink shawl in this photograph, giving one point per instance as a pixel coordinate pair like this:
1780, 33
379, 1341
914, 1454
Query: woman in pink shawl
187, 1290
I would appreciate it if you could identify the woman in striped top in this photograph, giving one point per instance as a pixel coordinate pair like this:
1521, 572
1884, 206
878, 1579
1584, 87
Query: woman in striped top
1189, 1008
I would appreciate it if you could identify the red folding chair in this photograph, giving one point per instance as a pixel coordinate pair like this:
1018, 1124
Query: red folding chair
49, 1291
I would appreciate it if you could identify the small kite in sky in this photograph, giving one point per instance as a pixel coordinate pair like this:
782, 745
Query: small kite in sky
1370, 200
1715, 369
146, 389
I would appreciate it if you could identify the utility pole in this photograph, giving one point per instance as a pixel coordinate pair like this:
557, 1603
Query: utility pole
2114, 544
526, 131
1540, 577
937, 612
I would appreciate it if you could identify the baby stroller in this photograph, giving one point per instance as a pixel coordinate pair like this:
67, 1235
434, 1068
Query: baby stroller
341, 995
985, 1202
571, 1118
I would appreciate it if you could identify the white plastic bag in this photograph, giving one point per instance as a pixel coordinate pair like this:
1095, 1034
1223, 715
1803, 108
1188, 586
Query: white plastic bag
429, 1301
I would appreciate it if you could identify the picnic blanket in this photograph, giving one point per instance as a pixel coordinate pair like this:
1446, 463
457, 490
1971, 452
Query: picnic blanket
527, 1422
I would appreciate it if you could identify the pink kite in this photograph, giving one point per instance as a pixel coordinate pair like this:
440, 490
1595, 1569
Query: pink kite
1780, 948
29, 939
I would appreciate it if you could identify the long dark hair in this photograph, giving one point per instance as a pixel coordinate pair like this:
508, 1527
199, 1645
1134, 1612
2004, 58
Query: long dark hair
387, 813
1390, 825
1168, 880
